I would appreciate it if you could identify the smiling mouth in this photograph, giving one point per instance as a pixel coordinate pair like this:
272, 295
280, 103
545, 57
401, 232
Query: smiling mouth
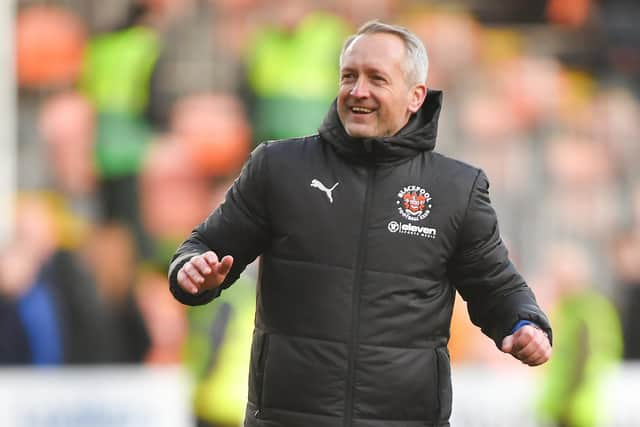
361, 110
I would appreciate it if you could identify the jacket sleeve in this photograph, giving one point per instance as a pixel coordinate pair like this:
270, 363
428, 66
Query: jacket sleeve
238, 227
496, 294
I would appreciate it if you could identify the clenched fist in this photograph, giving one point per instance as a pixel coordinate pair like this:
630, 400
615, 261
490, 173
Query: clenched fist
204, 272
528, 344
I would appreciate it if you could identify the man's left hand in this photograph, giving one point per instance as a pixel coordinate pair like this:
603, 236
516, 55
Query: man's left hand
528, 344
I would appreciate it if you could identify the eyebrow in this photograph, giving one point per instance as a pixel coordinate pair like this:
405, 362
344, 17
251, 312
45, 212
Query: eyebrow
368, 70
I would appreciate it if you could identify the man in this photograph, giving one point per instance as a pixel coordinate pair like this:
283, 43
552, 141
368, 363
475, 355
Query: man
365, 235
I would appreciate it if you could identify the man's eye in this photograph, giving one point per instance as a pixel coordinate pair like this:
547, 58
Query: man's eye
347, 76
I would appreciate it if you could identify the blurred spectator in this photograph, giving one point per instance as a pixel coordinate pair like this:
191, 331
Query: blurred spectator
581, 195
613, 120
492, 136
207, 142
48, 294
217, 349
31, 327
218, 353
111, 254
200, 52
189, 168
531, 86
216, 131
587, 342
164, 318
169, 180
49, 45
292, 66
570, 13
67, 126
452, 40
358, 12
116, 79
626, 258
234, 23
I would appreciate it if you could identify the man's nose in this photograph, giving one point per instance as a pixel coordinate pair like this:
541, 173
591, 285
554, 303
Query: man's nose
360, 89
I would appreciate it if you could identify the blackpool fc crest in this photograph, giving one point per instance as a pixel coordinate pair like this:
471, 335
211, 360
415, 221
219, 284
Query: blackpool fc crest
414, 203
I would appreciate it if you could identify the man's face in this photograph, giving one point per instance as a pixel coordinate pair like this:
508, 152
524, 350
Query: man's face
374, 99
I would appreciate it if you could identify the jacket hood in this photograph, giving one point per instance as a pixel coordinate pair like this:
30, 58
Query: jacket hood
418, 135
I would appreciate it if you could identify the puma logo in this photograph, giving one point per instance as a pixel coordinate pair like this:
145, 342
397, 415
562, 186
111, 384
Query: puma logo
320, 186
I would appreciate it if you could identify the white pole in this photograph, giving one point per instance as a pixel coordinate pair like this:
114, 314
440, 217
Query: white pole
8, 138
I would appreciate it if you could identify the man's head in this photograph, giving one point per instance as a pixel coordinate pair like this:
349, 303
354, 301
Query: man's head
383, 70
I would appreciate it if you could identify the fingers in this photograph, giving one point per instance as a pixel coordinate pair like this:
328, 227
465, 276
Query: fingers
193, 273
203, 272
539, 357
529, 345
535, 352
225, 265
185, 282
507, 344
210, 257
202, 264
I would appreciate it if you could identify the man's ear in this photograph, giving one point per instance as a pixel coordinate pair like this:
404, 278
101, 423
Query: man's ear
418, 95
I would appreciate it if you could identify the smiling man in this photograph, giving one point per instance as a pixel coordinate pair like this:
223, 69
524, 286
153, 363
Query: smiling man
358, 276
379, 90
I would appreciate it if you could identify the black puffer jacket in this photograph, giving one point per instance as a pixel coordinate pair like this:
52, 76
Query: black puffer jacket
363, 245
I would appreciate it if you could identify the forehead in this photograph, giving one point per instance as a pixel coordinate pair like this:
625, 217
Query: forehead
381, 50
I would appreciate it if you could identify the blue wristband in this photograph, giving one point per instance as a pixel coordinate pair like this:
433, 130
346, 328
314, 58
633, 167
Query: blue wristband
522, 323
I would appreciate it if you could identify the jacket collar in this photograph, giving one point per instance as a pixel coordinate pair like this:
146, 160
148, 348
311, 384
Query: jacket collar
418, 135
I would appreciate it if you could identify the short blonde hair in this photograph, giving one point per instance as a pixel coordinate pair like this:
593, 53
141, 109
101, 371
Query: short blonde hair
416, 64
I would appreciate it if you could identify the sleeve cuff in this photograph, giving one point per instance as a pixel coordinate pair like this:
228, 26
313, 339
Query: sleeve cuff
522, 323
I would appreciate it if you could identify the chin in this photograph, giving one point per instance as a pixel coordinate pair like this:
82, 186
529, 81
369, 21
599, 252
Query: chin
359, 132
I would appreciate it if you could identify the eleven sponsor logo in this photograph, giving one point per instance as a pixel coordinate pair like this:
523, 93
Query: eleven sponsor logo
412, 229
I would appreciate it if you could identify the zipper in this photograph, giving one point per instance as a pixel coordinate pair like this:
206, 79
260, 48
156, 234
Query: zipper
355, 301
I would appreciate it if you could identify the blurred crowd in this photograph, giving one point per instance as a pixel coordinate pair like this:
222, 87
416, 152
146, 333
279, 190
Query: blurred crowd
134, 117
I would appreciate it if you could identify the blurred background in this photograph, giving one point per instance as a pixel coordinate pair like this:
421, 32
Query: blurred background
123, 123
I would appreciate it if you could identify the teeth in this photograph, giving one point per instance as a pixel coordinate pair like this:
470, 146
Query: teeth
360, 110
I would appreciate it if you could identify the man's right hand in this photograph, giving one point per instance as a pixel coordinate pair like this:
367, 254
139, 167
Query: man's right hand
204, 272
